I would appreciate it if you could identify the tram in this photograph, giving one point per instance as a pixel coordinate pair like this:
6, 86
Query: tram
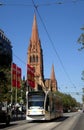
43, 105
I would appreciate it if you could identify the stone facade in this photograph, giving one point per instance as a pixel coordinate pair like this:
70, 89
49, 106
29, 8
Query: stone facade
35, 59
35, 54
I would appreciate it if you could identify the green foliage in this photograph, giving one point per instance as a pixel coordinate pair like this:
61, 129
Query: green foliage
83, 98
5, 82
82, 75
21, 93
5, 87
68, 101
81, 39
83, 88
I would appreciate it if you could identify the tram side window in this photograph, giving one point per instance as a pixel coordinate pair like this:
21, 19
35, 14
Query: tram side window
47, 104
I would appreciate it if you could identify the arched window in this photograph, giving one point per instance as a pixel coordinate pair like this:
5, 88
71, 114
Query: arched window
36, 58
30, 59
33, 58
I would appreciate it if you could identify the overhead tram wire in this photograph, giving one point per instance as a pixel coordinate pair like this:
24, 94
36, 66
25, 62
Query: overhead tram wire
36, 8
46, 4
8, 4
43, 4
20, 59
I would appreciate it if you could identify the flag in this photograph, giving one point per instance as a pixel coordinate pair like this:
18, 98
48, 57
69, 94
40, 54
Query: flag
18, 77
14, 74
30, 76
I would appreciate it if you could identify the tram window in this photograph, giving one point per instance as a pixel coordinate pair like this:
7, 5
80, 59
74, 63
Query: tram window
36, 103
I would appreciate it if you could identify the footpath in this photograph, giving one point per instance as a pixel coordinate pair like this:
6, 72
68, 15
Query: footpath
18, 117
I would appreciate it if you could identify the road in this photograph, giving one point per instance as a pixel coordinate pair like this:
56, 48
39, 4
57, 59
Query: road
70, 121
80, 123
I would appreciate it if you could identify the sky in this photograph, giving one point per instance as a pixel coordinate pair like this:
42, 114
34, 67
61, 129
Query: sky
59, 23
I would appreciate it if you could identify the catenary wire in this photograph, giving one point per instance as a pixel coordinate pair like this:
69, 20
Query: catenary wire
35, 8
44, 4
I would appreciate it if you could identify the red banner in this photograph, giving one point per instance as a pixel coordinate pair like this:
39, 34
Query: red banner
30, 76
16, 76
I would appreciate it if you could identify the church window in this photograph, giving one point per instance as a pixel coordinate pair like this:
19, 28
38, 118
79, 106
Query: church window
36, 58
30, 59
33, 58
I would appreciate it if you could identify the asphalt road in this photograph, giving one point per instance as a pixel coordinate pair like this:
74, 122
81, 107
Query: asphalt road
70, 121
80, 123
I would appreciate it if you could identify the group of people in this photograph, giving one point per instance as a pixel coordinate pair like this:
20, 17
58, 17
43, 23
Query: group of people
17, 110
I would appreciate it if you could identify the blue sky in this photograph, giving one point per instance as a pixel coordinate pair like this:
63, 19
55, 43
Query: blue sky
63, 23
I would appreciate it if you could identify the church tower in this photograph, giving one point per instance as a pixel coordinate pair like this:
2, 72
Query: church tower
35, 54
53, 80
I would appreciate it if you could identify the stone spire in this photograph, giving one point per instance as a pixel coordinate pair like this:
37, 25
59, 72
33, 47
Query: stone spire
53, 80
35, 54
35, 35
52, 73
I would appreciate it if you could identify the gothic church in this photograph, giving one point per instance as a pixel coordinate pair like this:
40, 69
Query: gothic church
35, 59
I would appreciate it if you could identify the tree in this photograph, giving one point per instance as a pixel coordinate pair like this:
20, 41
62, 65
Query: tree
83, 88
81, 39
5, 83
82, 75
69, 103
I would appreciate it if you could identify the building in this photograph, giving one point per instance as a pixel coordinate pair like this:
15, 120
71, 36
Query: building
51, 84
35, 55
35, 59
53, 81
5, 50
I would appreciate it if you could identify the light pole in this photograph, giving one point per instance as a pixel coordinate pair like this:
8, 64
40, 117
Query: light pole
21, 93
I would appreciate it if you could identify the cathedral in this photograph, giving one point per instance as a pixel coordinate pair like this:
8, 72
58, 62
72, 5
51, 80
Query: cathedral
35, 59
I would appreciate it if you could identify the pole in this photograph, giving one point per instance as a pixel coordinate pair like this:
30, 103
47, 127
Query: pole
11, 85
16, 84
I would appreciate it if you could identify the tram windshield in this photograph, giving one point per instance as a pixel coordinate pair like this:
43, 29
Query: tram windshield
36, 100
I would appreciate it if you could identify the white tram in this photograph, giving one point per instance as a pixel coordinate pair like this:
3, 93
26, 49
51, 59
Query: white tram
43, 105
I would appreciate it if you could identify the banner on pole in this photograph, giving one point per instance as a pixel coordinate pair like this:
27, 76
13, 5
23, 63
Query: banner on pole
30, 76
16, 76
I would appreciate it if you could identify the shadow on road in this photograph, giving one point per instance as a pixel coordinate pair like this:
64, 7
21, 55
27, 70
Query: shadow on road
53, 120
3, 126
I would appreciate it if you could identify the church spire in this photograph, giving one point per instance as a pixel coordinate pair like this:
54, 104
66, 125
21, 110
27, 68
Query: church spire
35, 35
53, 80
35, 54
52, 73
